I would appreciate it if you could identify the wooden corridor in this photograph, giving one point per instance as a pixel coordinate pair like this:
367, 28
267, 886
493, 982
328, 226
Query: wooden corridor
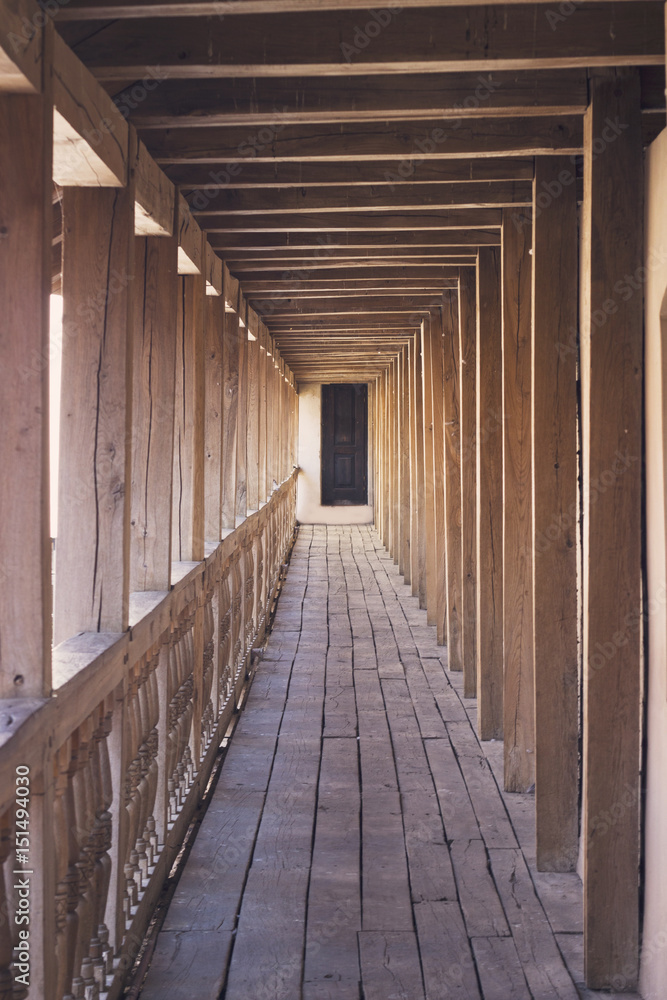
357, 843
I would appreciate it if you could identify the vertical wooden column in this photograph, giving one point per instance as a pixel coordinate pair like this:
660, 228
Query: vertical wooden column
214, 330
26, 127
413, 573
242, 431
270, 421
438, 416
429, 482
611, 371
386, 437
188, 489
230, 376
261, 406
489, 482
394, 414
405, 451
155, 294
452, 403
418, 540
554, 548
92, 550
519, 688
467, 326
252, 471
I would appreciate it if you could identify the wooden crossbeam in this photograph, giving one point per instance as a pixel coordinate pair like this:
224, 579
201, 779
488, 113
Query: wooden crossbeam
209, 178
347, 274
479, 38
261, 267
21, 48
430, 139
322, 244
399, 197
456, 218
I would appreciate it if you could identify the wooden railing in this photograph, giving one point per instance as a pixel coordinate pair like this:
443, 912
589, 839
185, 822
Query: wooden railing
110, 769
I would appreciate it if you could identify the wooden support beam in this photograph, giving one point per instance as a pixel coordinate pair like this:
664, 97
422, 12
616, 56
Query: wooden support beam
429, 483
397, 197
214, 320
23, 48
321, 246
611, 370
242, 427
405, 522
230, 356
418, 547
375, 222
178, 103
253, 421
264, 428
154, 361
202, 182
190, 240
348, 274
452, 511
554, 548
90, 136
188, 526
25, 284
519, 688
155, 197
438, 416
448, 39
92, 551
489, 505
213, 266
468, 391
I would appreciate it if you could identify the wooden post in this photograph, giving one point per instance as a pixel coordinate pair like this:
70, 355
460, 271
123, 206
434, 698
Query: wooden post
92, 548
261, 406
26, 126
467, 316
554, 548
230, 369
519, 689
155, 295
214, 332
394, 405
242, 431
252, 471
418, 545
440, 555
450, 330
611, 369
429, 482
188, 490
406, 514
489, 479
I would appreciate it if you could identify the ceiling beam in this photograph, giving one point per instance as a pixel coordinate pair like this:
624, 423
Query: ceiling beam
401, 197
348, 274
324, 245
414, 266
464, 38
250, 175
455, 218
407, 142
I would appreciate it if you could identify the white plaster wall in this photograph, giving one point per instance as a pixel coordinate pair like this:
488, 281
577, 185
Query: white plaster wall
653, 970
309, 510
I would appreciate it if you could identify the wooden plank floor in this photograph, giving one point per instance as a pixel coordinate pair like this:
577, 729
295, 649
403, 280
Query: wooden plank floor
357, 846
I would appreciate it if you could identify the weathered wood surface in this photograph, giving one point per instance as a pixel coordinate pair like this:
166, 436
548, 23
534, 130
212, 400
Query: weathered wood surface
214, 321
452, 507
230, 406
554, 548
349, 837
613, 599
468, 390
519, 687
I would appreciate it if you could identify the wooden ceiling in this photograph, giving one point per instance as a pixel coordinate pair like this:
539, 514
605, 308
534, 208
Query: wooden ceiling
346, 163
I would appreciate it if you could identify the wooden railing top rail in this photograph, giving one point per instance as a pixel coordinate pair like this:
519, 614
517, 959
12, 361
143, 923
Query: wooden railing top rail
87, 667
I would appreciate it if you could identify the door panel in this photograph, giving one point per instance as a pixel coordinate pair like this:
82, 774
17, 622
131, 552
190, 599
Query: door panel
344, 444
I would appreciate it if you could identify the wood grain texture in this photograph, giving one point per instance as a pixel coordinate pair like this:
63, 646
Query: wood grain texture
214, 319
452, 507
242, 428
555, 473
230, 356
92, 559
25, 269
438, 400
519, 689
429, 482
611, 368
154, 360
489, 439
188, 483
468, 391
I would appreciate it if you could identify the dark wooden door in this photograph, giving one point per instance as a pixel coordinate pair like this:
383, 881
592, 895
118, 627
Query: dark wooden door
344, 444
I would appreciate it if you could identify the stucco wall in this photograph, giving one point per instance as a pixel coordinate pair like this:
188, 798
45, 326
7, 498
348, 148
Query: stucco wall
654, 948
309, 510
